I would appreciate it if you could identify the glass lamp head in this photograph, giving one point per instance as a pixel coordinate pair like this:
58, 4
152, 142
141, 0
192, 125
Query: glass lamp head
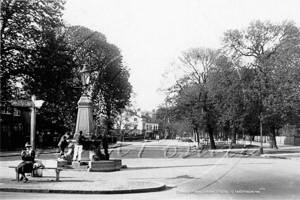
38, 103
85, 75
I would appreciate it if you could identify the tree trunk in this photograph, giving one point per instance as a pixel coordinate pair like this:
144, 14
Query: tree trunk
211, 136
197, 138
233, 138
273, 143
226, 134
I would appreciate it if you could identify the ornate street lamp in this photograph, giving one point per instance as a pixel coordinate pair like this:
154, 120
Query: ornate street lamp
85, 122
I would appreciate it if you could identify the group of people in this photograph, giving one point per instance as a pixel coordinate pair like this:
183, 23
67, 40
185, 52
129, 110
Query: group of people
79, 142
28, 155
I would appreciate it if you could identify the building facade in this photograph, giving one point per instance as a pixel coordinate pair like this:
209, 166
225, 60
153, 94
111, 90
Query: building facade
15, 126
141, 123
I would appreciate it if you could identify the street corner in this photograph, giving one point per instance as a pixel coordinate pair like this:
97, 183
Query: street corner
279, 156
91, 187
32, 181
134, 186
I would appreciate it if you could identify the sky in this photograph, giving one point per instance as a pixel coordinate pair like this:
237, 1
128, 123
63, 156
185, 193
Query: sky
152, 34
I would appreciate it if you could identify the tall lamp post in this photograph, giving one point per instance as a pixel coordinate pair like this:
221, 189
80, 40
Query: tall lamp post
261, 118
85, 122
35, 104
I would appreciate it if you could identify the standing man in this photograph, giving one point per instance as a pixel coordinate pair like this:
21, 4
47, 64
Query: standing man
105, 145
79, 140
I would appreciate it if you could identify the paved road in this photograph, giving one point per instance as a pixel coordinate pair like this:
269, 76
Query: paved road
154, 149
174, 149
214, 178
227, 177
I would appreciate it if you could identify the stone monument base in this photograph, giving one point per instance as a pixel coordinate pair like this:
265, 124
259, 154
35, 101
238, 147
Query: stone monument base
105, 165
78, 164
63, 163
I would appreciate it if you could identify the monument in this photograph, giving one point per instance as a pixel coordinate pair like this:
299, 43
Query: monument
85, 123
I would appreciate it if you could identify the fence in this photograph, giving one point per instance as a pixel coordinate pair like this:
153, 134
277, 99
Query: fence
287, 140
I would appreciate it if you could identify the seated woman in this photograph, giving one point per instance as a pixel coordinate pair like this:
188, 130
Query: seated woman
26, 165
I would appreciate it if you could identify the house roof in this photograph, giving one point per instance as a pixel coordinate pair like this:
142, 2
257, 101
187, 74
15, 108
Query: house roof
149, 119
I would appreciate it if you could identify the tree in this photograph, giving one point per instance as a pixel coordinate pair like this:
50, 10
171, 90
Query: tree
274, 49
122, 120
192, 89
24, 28
55, 81
115, 91
166, 117
226, 87
35, 59
110, 90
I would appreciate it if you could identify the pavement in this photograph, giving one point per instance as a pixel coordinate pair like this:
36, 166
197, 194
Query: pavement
283, 151
128, 180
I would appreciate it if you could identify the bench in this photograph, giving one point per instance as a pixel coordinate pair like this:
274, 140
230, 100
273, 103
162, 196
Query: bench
57, 170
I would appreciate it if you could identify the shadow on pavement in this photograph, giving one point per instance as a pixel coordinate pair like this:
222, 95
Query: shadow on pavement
162, 167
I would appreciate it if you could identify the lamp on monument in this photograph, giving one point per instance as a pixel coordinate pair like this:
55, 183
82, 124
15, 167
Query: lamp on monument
85, 78
85, 122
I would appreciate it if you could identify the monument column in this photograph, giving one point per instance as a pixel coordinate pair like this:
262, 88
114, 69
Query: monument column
85, 121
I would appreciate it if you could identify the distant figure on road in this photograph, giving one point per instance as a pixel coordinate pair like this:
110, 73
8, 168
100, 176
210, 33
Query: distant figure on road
26, 165
244, 140
157, 137
79, 140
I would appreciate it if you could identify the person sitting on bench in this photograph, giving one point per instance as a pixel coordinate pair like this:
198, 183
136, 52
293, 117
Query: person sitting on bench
26, 165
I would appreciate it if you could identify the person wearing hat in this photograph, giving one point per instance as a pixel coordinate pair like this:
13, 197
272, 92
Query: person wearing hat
26, 165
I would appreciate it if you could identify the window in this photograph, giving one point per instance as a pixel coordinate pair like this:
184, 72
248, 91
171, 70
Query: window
15, 127
20, 127
17, 112
149, 128
5, 128
135, 119
6, 110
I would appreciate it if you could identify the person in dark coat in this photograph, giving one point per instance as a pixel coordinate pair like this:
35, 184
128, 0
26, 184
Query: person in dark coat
63, 143
105, 145
41, 140
26, 165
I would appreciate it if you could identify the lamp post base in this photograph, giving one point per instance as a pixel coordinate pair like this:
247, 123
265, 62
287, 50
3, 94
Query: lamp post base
261, 150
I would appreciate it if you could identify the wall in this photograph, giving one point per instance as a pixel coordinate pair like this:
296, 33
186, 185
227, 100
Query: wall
287, 140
